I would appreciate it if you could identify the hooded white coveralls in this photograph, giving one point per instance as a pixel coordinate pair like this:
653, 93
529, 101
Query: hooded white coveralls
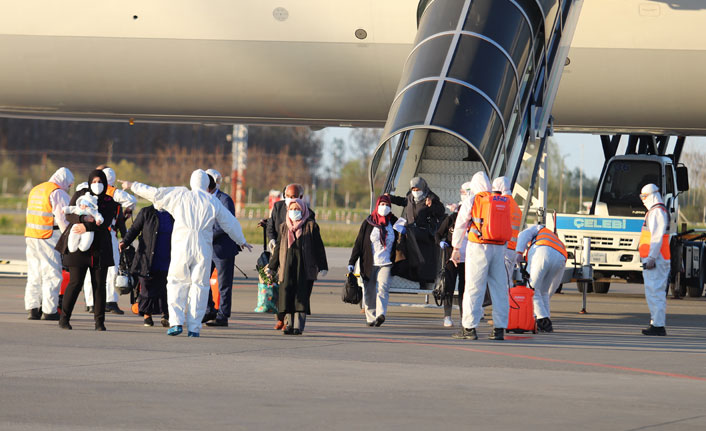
484, 266
545, 266
656, 278
128, 202
194, 211
43, 262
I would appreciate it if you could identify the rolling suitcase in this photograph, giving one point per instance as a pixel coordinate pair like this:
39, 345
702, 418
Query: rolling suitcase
521, 318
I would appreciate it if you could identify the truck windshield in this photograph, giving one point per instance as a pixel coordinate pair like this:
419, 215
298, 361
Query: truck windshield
622, 183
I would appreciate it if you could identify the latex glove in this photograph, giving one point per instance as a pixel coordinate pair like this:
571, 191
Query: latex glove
246, 245
271, 245
649, 263
443, 244
351, 268
455, 256
323, 273
399, 225
519, 258
126, 184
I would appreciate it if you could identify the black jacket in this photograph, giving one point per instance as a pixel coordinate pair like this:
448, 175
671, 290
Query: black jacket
419, 214
446, 229
146, 225
363, 249
223, 246
277, 217
101, 252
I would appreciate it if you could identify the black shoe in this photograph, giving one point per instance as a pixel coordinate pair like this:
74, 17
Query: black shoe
497, 334
34, 314
548, 325
370, 323
466, 334
165, 322
380, 320
217, 322
288, 330
655, 330
296, 331
100, 326
149, 321
64, 323
112, 307
50, 316
209, 316
89, 309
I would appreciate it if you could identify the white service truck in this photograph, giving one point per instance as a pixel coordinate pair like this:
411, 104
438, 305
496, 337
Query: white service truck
615, 222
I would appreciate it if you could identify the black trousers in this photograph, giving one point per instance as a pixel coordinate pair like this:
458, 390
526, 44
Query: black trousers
76, 276
460, 273
153, 294
225, 269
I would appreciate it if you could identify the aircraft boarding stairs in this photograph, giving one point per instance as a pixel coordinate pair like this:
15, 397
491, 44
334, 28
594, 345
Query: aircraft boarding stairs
476, 94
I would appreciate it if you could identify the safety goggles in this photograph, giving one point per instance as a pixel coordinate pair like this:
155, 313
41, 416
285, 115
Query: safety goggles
643, 196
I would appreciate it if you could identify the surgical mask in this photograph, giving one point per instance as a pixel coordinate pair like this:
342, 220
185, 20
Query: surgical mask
288, 201
295, 215
97, 188
384, 210
417, 194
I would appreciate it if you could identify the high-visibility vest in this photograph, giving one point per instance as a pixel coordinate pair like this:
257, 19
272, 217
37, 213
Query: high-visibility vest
646, 237
40, 218
110, 191
515, 219
490, 219
549, 238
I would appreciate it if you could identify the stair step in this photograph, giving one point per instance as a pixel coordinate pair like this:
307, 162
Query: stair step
455, 167
445, 153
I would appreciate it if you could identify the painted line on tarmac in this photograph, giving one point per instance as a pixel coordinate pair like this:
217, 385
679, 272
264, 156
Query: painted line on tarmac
510, 355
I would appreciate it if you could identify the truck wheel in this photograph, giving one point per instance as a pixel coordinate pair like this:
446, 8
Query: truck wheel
694, 292
583, 284
601, 287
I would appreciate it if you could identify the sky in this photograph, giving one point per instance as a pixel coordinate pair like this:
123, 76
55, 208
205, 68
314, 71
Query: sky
575, 147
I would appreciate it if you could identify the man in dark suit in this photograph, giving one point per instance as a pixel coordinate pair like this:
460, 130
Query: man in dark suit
224, 251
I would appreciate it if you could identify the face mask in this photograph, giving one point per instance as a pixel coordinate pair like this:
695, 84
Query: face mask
417, 194
97, 188
384, 210
288, 201
295, 215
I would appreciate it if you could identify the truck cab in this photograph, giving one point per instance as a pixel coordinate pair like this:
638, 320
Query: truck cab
616, 216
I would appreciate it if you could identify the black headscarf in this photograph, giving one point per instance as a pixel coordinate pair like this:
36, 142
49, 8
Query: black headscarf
100, 174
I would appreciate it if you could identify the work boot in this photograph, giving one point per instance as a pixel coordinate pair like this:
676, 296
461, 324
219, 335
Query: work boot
34, 314
654, 330
50, 316
112, 307
466, 334
497, 334
64, 323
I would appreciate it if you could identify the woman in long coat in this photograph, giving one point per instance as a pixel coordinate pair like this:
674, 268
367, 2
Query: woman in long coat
97, 259
299, 257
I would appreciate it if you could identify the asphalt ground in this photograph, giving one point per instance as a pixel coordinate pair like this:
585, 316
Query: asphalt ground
595, 372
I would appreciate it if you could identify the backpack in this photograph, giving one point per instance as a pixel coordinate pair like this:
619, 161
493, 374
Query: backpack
496, 219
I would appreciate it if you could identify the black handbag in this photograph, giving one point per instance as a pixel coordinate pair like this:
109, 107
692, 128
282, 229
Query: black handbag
352, 292
264, 258
445, 284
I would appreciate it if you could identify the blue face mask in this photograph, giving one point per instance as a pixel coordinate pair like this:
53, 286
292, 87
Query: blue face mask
295, 215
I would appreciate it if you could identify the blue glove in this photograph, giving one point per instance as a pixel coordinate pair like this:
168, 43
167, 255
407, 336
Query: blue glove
400, 228
443, 244
351, 268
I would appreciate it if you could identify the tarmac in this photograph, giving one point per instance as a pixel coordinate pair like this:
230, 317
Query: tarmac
595, 372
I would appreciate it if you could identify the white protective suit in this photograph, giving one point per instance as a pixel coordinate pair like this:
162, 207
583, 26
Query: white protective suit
43, 262
545, 266
656, 279
485, 266
502, 185
194, 211
128, 202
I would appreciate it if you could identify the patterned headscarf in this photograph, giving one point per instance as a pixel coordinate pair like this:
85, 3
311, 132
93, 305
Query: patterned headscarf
294, 228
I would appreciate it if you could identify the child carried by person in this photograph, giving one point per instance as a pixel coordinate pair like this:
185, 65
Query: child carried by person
86, 205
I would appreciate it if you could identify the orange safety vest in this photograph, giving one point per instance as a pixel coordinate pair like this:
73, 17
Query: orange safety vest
549, 238
110, 191
516, 219
490, 219
646, 237
40, 219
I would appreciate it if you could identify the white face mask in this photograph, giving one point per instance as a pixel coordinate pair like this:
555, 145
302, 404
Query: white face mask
288, 201
417, 194
384, 210
295, 215
97, 188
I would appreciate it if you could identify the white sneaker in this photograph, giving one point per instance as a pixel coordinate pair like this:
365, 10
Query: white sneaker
448, 322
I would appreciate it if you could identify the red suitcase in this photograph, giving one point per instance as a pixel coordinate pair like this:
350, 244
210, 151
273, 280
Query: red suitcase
521, 318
